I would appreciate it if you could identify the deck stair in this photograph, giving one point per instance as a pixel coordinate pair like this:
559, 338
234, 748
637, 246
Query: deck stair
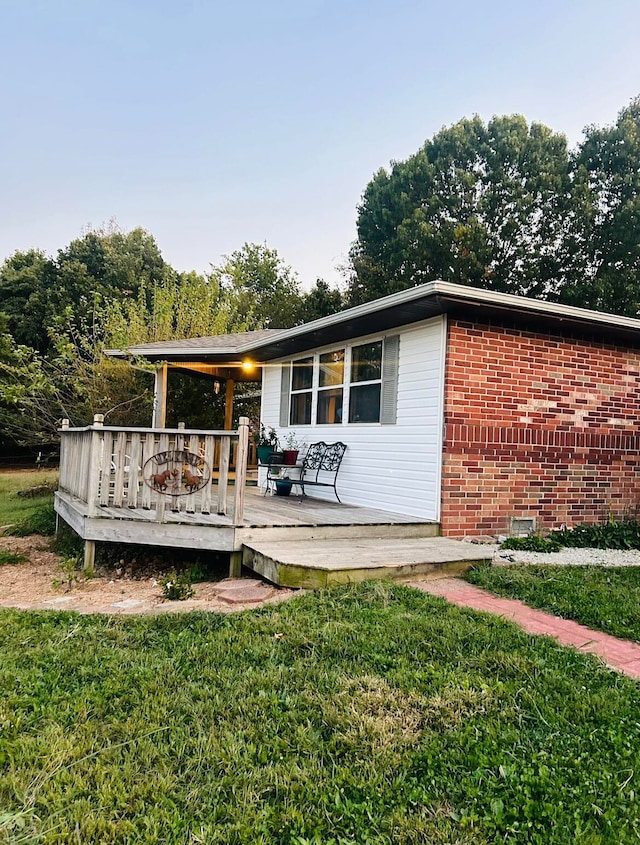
317, 563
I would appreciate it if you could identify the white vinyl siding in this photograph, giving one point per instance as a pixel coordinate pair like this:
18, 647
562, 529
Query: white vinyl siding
394, 467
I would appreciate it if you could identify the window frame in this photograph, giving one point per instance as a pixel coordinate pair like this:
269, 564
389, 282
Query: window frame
389, 344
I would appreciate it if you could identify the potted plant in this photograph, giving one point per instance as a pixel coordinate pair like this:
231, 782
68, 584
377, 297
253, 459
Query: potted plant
266, 441
293, 449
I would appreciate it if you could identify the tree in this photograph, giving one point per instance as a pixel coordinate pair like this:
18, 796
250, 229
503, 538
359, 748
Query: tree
483, 205
607, 181
321, 301
25, 281
259, 290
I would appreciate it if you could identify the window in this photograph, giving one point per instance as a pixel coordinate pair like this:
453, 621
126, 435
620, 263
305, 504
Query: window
330, 387
301, 391
366, 383
353, 384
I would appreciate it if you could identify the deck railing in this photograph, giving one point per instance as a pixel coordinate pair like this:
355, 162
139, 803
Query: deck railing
156, 469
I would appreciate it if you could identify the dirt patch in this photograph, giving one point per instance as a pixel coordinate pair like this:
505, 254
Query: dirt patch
36, 585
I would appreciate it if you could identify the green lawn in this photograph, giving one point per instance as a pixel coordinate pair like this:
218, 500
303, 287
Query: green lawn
13, 508
606, 599
368, 714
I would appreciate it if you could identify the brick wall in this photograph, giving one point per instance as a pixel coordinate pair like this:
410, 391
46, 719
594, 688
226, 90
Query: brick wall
537, 425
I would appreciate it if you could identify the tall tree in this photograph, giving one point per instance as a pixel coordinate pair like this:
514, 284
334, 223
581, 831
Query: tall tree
483, 205
607, 181
259, 289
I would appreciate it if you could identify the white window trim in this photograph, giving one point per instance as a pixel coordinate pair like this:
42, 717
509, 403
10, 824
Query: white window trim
346, 385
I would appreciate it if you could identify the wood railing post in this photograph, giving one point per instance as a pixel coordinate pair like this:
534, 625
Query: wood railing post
241, 469
93, 480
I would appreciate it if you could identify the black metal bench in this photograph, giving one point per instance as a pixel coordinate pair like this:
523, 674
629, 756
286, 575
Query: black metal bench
319, 467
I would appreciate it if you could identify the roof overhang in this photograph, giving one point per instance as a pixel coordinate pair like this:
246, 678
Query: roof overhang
432, 299
406, 307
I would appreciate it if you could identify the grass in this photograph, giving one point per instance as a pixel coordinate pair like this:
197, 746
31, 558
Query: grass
13, 508
369, 714
604, 598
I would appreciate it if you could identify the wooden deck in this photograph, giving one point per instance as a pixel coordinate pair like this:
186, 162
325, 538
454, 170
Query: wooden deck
186, 489
265, 517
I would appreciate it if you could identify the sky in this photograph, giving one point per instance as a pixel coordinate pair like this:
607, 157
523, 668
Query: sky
212, 124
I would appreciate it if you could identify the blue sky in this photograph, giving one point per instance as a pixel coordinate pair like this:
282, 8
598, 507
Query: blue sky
214, 123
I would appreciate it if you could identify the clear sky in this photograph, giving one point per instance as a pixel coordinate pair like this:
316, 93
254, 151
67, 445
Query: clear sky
215, 123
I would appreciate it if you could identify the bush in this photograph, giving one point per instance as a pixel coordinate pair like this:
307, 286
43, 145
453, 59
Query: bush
533, 543
602, 535
177, 587
40, 521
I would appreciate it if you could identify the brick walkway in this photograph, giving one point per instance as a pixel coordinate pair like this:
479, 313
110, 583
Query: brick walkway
618, 654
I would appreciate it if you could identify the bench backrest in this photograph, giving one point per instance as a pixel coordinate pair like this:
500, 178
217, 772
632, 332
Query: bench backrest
323, 457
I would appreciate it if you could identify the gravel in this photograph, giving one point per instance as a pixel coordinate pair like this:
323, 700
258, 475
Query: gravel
568, 557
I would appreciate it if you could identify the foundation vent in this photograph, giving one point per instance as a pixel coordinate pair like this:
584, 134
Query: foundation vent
521, 526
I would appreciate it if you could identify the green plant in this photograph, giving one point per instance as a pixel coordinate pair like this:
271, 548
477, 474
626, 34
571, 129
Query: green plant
177, 587
532, 543
10, 557
610, 534
604, 598
291, 441
264, 435
70, 567
42, 520
13, 508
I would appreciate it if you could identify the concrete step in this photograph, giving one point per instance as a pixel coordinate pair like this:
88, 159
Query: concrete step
313, 564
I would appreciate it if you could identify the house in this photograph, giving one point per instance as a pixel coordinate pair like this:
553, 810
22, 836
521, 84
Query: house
465, 412
484, 412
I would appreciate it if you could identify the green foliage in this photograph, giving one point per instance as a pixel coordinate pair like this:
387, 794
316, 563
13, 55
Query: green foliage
260, 291
177, 587
71, 572
482, 205
13, 508
607, 178
369, 714
42, 520
532, 543
611, 534
604, 598
10, 557
506, 206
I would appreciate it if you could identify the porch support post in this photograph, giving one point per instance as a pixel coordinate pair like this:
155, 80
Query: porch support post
228, 404
160, 398
89, 557
235, 565
241, 470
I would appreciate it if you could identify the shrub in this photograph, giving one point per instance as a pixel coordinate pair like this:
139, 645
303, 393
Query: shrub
601, 535
177, 587
533, 543
40, 521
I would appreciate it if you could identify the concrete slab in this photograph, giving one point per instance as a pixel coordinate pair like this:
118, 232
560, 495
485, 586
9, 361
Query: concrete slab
317, 563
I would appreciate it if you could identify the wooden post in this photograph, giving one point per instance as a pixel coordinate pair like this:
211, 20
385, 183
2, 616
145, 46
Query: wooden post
65, 424
89, 557
228, 404
235, 564
160, 398
95, 457
241, 470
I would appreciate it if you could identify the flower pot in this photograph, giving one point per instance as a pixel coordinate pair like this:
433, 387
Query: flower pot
264, 453
290, 457
283, 488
